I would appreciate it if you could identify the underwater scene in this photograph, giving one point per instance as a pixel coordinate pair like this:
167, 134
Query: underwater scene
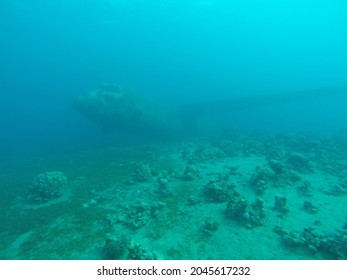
173, 130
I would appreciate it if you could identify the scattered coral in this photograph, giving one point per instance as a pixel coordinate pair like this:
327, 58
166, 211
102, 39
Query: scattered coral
305, 188
182, 196
202, 154
309, 207
137, 252
190, 173
114, 248
327, 246
261, 179
237, 207
193, 200
47, 186
210, 226
217, 191
121, 248
299, 162
142, 173
249, 215
275, 174
163, 186
280, 205
337, 190
138, 215
277, 166
257, 213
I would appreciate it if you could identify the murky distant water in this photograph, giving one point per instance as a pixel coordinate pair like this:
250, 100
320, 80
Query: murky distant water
177, 51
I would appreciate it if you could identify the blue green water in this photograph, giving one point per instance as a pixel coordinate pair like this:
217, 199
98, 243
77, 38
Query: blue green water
178, 52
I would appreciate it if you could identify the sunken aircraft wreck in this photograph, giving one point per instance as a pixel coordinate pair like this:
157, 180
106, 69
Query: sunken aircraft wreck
117, 109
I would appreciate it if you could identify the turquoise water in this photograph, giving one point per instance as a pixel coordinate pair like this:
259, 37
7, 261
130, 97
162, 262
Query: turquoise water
228, 126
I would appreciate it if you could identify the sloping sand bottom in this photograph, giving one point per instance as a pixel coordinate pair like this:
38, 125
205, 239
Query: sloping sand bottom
231, 197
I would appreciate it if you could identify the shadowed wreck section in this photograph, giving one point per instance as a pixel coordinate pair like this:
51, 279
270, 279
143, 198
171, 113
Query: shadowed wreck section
117, 109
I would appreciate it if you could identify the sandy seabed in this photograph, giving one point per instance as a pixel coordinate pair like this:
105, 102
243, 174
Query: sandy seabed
232, 197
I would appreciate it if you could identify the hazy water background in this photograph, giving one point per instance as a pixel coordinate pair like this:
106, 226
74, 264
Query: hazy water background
178, 51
